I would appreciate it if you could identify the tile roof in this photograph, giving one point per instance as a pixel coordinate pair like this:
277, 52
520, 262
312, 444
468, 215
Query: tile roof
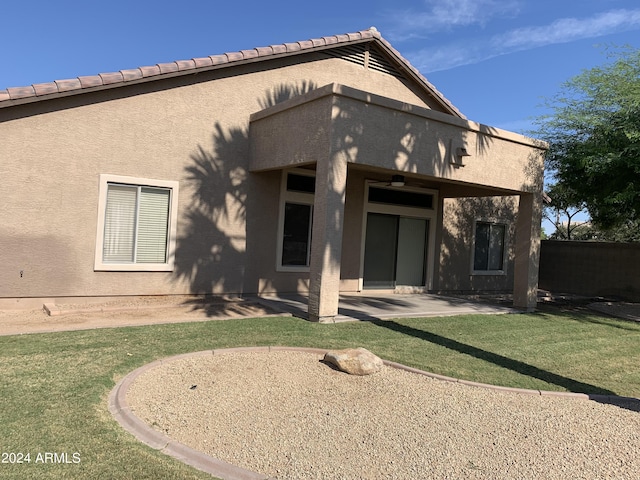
41, 91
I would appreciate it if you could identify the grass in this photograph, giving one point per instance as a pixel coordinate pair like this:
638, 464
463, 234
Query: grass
54, 387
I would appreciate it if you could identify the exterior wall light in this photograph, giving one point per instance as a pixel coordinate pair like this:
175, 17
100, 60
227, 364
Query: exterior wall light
460, 153
397, 181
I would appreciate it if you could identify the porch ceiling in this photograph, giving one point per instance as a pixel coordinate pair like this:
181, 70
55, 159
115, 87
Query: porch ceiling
338, 122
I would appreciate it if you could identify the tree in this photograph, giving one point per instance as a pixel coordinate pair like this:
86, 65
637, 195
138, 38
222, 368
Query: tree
594, 143
561, 209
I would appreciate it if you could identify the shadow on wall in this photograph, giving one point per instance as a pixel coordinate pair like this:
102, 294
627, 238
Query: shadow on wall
211, 250
399, 140
208, 257
392, 141
211, 253
460, 219
459, 240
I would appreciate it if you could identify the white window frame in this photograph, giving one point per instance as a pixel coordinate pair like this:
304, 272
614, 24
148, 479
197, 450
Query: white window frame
505, 248
292, 197
105, 181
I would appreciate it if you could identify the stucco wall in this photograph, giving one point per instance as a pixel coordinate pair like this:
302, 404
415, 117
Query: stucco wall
192, 129
342, 122
455, 272
591, 268
384, 134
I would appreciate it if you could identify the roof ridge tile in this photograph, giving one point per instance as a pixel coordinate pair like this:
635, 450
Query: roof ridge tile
131, 74
201, 62
112, 77
251, 53
305, 44
44, 88
150, 71
234, 56
186, 64
21, 92
330, 40
293, 46
168, 67
265, 51
68, 84
88, 81
219, 59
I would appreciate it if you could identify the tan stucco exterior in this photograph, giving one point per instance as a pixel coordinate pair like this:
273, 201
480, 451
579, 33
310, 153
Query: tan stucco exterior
198, 130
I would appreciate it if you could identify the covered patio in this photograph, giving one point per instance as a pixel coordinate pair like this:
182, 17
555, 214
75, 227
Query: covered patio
350, 140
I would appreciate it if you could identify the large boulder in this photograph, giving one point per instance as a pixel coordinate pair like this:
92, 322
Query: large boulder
355, 361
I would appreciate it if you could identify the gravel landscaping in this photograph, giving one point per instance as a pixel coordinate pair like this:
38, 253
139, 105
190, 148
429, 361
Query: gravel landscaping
289, 416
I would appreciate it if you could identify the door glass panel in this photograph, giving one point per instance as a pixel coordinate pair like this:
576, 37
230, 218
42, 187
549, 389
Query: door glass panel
412, 234
380, 251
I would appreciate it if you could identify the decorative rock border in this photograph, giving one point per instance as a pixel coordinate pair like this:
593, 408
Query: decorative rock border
120, 410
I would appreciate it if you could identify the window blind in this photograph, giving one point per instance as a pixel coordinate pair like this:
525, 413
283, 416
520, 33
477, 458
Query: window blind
136, 224
120, 224
153, 217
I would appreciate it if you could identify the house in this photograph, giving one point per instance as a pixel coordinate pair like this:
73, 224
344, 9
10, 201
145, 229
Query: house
322, 166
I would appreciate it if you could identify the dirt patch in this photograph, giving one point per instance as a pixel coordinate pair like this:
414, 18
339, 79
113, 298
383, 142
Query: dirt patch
287, 415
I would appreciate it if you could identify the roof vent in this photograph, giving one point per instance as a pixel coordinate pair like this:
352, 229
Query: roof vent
362, 55
379, 62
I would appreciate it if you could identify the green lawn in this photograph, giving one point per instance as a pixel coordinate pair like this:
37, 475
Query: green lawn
54, 387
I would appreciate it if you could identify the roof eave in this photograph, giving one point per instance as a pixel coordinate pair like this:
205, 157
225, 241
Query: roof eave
107, 81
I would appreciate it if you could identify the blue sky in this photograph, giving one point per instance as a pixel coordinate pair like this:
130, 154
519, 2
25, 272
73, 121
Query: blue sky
494, 59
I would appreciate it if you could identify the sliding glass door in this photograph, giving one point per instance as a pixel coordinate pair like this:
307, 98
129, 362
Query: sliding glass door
395, 251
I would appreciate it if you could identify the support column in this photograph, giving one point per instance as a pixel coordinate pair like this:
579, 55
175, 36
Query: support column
326, 239
527, 251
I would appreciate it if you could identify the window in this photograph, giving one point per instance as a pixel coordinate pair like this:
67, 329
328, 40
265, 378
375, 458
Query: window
137, 224
488, 255
296, 237
405, 198
296, 218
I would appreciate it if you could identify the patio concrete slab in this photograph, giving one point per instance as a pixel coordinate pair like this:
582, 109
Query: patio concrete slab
381, 306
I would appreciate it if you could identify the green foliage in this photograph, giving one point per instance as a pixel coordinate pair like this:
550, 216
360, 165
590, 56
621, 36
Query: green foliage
594, 139
543, 234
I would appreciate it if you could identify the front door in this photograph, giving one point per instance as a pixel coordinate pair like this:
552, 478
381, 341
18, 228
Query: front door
395, 251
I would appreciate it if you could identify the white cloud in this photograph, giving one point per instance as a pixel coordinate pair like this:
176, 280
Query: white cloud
569, 29
442, 15
437, 58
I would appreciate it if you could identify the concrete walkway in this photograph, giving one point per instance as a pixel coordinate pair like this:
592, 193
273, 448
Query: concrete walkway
381, 306
170, 309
